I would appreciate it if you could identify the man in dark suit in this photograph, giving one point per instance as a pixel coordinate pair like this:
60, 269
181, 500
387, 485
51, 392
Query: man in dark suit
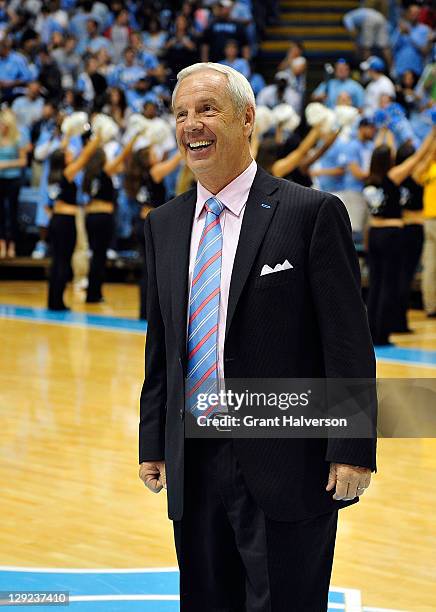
254, 519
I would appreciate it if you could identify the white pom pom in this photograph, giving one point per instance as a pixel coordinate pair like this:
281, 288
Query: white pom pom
160, 133
315, 113
104, 127
345, 115
318, 114
265, 120
75, 125
286, 116
137, 124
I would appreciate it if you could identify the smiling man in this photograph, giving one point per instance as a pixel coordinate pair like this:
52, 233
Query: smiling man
254, 519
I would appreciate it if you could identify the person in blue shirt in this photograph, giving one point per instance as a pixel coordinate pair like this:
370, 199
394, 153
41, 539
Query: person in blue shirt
14, 71
370, 29
28, 108
231, 52
140, 94
328, 92
330, 170
355, 157
411, 43
127, 74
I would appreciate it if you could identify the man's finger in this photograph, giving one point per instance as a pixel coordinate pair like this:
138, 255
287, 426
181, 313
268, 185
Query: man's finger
341, 490
332, 479
152, 483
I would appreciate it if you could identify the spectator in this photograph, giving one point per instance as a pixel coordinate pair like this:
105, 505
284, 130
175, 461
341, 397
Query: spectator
28, 108
91, 83
143, 57
407, 93
128, 73
296, 49
328, 91
116, 105
14, 71
94, 41
329, 171
379, 84
13, 158
370, 30
180, 49
280, 91
141, 93
119, 34
411, 42
220, 31
49, 75
154, 38
355, 158
231, 59
64, 51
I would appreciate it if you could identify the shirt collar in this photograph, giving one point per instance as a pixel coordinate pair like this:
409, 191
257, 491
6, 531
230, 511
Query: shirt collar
233, 196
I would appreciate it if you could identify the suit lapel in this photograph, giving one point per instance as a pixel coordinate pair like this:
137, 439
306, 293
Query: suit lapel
179, 273
258, 213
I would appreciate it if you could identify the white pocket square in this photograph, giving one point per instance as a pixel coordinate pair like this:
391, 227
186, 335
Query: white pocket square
277, 268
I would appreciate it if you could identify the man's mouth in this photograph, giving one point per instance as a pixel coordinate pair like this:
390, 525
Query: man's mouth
201, 144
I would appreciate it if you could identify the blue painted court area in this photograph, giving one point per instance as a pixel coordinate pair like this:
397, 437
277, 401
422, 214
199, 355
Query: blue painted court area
395, 354
147, 590
72, 319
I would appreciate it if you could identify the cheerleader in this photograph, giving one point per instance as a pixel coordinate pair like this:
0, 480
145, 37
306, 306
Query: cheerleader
412, 239
143, 186
97, 184
383, 195
62, 191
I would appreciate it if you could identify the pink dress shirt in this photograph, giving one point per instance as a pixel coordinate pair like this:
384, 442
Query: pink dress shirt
234, 197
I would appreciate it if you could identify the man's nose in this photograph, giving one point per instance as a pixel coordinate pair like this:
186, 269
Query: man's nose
192, 123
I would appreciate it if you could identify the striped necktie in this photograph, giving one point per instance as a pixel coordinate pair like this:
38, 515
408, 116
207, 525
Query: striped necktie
202, 345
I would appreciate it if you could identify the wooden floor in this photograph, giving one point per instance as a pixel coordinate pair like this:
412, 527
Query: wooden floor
68, 462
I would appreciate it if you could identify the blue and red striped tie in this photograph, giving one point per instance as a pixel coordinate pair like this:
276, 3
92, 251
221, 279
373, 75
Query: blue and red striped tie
202, 345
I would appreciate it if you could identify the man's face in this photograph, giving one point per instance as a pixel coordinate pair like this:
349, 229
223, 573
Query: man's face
33, 90
205, 114
413, 13
231, 52
367, 132
342, 71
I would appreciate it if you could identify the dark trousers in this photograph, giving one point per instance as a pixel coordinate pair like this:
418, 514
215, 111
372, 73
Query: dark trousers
9, 191
62, 236
384, 252
139, 232
99, 227
412, 240
232, 557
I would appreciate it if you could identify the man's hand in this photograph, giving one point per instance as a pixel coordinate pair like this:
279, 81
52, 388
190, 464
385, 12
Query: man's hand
350, 481
153, 475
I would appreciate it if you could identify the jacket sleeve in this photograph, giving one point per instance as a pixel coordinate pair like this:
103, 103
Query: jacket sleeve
347, 347
153, 394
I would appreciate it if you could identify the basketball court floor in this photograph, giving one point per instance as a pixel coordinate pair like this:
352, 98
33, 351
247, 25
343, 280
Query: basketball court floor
75, 517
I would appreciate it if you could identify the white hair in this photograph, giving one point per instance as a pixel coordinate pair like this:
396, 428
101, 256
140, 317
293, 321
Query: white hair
238, 87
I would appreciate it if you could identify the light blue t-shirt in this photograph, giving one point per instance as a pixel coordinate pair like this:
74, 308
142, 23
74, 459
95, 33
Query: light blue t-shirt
333, 158
359, 152
334, 87
408, 49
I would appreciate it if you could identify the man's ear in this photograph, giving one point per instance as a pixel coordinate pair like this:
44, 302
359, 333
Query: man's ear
249, 118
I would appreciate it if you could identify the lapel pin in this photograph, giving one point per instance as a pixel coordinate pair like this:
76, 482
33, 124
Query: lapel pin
265, 206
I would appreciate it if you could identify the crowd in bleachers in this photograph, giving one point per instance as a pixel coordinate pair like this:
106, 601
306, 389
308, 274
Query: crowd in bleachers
120, 59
